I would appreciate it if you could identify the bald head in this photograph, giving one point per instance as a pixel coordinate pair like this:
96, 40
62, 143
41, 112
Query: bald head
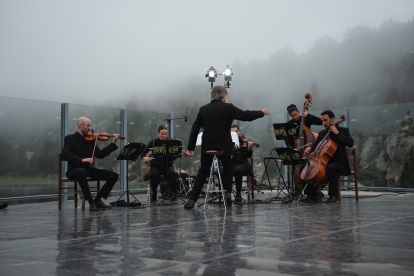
84, 125
83, 121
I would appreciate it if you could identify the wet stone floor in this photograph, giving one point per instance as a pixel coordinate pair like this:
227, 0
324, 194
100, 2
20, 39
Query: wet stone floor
371, 237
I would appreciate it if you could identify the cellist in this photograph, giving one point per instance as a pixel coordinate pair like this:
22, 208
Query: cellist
339, 162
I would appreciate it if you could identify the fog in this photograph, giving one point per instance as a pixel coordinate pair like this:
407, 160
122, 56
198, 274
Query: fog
148, 54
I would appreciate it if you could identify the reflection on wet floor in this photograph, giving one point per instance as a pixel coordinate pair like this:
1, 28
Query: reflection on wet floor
370, 237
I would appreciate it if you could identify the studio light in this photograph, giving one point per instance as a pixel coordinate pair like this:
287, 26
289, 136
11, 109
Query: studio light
211, 75
227, 72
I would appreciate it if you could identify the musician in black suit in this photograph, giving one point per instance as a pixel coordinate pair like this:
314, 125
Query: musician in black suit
216, 118
339, 162
159, 166
78, 152
241, 165
309, 119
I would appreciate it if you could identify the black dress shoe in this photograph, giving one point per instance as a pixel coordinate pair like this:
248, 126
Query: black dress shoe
227, 199
93, 207
102, 206
3, 206
331, 199
238, 198
313, 198
189, 204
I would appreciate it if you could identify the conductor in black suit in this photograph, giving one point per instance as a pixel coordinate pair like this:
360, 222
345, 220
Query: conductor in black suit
78, 152
216, 118
339, 162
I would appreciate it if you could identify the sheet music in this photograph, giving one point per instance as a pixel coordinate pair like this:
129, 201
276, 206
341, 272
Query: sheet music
198, 142
234, 138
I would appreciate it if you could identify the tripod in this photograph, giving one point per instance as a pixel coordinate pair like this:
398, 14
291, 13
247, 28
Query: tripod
183, 188
220, 196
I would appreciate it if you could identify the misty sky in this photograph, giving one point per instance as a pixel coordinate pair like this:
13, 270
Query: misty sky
92, 51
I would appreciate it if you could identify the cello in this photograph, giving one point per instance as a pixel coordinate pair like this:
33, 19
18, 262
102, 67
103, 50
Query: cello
306, 138
315, 171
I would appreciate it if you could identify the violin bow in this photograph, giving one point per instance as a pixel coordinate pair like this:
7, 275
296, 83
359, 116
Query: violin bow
246, 129
96, 140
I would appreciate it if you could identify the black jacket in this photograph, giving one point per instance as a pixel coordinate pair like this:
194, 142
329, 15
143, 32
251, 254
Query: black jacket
241, 155
160, 162
309, 120
343, 140
76, 148
216, 118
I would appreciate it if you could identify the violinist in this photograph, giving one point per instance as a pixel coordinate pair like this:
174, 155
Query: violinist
339, 162
80, 156
241, 165
309, 119
160, 167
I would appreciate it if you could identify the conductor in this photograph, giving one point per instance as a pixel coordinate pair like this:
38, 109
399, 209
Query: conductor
216, 118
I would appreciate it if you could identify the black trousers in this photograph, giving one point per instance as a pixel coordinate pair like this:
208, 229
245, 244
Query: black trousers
169, 172
204, 172
110, 177
239, 170
332, 170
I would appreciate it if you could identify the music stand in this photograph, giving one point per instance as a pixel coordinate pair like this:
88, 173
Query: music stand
285, 131
130, 152
169, 150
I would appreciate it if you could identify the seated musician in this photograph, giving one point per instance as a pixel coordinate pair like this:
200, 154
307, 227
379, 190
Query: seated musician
78, 152
296, 118
241, 165
339, 162
160, 167
309, 120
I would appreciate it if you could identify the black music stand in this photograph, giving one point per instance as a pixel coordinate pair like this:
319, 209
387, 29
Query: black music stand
129, 152
286, 132
290, 156
169, 150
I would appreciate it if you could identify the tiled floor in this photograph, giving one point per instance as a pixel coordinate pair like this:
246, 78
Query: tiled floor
371, 237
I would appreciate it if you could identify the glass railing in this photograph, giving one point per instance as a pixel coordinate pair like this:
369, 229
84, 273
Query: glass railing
384, 138
30, 139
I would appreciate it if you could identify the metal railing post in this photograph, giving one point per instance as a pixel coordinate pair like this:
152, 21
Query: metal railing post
123, 163
64, 130
346, 124
171, 126
286, 171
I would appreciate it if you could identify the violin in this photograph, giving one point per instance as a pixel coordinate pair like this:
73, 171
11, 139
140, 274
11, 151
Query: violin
247, 140
103, 136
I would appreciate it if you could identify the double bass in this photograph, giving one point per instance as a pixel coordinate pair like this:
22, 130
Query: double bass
315, 171
306, 138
